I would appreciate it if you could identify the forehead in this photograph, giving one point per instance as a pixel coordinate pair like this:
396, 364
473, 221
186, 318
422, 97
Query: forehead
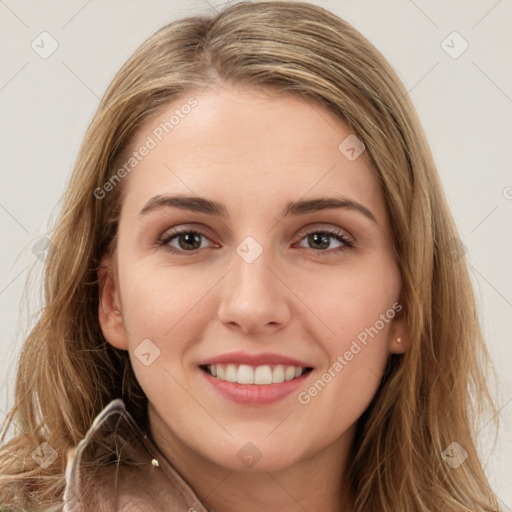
245, 146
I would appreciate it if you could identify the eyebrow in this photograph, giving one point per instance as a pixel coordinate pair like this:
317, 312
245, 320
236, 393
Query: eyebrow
209, 207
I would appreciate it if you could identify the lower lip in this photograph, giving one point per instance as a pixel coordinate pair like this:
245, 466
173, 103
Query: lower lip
255, 394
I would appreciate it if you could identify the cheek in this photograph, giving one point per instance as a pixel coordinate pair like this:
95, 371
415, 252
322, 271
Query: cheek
159, 301
159, 305
349, 304
354, 315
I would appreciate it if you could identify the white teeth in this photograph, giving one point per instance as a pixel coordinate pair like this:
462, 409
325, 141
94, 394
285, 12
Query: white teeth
278, 374
245, 374
231, 373
289, 373
261, 375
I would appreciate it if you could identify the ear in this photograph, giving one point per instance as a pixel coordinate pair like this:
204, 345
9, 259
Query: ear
109, 306
400, 338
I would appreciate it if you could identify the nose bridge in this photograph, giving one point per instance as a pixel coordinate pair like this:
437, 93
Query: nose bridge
251, 277
252, 297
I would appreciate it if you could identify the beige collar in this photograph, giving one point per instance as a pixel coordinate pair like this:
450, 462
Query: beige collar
115, 467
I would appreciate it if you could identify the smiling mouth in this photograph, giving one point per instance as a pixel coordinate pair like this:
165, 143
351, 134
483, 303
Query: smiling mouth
258, 375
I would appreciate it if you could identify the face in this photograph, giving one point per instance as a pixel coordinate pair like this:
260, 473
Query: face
292, 303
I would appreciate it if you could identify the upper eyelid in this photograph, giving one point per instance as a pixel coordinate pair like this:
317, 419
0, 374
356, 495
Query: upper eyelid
191, 227
322, 227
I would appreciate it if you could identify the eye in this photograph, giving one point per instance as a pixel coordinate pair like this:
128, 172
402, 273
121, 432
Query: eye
319, 240
187, 240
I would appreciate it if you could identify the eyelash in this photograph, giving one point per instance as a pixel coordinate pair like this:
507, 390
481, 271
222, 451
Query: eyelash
347, 243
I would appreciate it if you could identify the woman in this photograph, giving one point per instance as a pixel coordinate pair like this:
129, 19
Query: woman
227, 360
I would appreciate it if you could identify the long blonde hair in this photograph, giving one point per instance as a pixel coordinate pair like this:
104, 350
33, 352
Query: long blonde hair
428, 398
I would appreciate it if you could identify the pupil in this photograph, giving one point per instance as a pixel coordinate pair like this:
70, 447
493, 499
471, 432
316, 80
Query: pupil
323, 239
190, 238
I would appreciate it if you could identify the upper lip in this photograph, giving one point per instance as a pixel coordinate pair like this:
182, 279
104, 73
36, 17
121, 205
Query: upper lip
240, 357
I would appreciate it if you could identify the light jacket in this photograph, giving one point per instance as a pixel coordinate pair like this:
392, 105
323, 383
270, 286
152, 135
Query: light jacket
117, 468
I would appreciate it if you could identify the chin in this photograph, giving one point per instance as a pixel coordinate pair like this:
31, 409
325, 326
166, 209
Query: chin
256, 454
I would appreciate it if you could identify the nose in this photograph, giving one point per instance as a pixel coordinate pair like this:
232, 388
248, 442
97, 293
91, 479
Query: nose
253, 299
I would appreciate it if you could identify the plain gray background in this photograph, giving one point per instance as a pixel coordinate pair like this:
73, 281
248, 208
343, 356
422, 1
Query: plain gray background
464, 99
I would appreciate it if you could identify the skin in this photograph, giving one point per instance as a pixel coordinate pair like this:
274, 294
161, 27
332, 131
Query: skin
253, 151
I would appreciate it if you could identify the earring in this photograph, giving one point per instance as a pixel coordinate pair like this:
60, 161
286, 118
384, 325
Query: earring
116, 312
399, 340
